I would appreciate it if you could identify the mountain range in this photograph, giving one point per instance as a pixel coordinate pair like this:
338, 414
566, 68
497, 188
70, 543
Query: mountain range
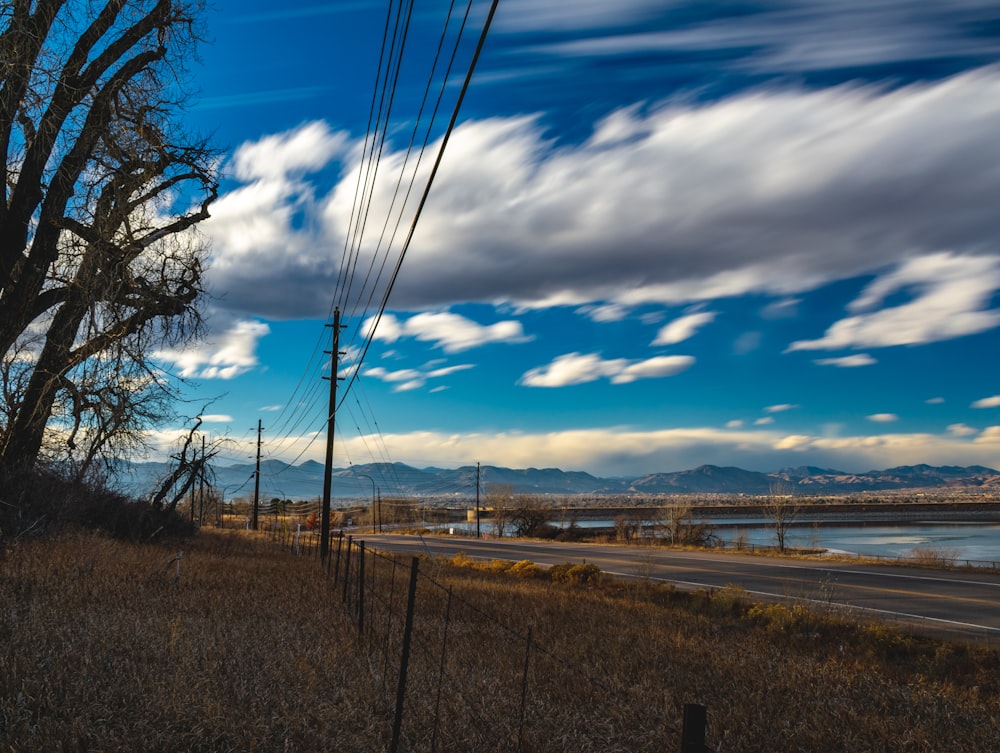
305, 481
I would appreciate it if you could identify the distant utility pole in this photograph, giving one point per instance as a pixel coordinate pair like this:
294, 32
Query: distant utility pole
256, 480
477, 501
324, 543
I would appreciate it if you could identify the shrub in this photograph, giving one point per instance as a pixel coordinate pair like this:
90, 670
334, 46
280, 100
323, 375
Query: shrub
933, 556
560, 573
45, 500
461, 559
567, 572
780, 618
731, 600
525, 569
500, 566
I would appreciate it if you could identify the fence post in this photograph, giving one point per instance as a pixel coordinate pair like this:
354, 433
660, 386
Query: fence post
404, 660
340, 544
347, 570
361, 590
441, 668
693, 732
524, 692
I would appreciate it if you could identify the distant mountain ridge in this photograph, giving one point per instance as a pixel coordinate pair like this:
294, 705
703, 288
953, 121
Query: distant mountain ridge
305, 481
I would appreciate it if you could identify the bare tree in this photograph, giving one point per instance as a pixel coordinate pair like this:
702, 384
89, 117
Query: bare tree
500, 498
676, 519
781, 509
531, 517
188, 464
99, 261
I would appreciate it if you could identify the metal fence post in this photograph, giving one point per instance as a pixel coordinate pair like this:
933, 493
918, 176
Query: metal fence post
347, 570
340, 544
404, 660
693, 732
361, 589
524, 692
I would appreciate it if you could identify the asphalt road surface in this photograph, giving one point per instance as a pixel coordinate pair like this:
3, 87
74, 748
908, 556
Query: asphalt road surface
955, 604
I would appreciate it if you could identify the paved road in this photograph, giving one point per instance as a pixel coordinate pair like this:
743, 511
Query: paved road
957, 604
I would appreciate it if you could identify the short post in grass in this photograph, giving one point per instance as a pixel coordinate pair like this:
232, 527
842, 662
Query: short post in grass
693, 732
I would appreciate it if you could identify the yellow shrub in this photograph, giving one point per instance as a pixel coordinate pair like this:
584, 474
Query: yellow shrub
525, 569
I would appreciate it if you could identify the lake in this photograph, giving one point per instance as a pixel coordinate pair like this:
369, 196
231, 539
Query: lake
977, 542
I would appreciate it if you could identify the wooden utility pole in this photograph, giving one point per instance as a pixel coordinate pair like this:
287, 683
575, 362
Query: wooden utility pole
324, 544
477, 501
256, 480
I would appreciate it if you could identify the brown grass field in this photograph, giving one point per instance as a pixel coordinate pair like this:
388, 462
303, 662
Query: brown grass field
250, 649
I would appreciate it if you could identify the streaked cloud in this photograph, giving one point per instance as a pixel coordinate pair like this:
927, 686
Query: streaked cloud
683, 328
962, 430
770, 192
951, 298
883, 418
847, 362
404, 380
797, 36
780, 408
626, 451
578, 368
261, 97
223, 354
450, 332
987, 402
305, 149
216, 418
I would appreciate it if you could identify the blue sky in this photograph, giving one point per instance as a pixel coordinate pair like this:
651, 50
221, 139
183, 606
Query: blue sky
663, 234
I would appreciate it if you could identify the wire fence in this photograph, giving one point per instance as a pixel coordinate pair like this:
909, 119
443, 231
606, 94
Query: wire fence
459, 673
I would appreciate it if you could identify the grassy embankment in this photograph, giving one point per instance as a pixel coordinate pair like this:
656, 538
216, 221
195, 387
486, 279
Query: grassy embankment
104, 650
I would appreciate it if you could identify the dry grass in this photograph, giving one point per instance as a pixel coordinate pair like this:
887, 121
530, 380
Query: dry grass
619, 662
251, 651
103, 651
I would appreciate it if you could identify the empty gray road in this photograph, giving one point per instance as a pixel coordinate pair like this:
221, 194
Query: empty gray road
957, 604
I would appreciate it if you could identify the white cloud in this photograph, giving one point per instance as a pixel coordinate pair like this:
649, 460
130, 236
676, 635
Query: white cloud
611, 312
934, 401
626, 451
216, 418
951, 296
764, 421
523, 15
792, 36
405, 380
683, 328
450, 332
987, 402
771, 192
785, 308
653, 368
734, 424
577, 368
220, 355
883, 418
780, 408
847, 362
305, 149
961, 430
989, 436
